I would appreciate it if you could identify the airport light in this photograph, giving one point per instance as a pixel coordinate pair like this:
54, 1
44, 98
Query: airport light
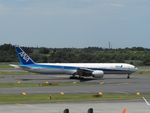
62, 93
18, 82
138, 93
100, 93
74, 82
46, 82
24, 93
101, 83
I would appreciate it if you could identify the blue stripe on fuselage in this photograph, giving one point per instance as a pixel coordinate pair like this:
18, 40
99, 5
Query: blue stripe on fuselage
49, 66
32, 66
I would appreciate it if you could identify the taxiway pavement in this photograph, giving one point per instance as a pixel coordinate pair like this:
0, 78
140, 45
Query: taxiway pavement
110, 83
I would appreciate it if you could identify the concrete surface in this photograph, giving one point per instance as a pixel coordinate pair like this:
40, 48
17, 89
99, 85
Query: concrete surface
111, 83
112, 107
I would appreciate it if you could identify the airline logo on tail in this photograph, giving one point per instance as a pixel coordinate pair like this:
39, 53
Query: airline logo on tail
24, 56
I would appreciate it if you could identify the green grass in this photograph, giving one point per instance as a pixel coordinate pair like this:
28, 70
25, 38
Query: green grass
6, 65
15, 73
11, 85
51, 98
144, 72
44, 84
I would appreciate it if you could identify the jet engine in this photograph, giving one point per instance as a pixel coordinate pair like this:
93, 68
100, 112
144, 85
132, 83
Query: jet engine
98, 74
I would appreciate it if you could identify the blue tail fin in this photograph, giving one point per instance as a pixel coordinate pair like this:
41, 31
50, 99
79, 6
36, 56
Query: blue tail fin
23, 57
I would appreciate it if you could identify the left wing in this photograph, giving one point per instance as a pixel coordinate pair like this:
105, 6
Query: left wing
85, 72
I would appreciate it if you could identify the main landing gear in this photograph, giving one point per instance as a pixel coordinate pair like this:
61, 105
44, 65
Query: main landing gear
128, 77
74, 76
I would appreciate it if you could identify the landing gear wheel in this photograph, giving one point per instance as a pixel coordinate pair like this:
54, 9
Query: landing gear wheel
128, 77
73, 77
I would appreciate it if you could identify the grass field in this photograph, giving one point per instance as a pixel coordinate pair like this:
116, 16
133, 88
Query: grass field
26, 98
144, 72
16, 73
6, 65
44, 84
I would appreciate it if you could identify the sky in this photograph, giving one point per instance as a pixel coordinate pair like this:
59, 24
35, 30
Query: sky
75, 23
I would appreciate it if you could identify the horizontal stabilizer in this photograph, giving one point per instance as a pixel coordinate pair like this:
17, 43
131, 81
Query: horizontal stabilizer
15, 66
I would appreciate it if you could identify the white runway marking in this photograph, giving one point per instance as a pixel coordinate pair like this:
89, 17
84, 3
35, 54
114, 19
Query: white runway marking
147, 103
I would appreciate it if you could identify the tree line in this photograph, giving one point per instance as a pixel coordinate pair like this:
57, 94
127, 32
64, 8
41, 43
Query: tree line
134, 55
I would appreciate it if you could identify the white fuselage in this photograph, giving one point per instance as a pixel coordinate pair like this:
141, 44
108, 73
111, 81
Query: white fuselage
70, 68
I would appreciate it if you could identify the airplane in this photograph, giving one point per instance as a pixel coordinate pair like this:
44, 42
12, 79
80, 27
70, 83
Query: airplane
82, 70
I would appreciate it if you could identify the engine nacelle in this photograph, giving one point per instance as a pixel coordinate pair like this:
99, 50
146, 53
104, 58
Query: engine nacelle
98, 74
